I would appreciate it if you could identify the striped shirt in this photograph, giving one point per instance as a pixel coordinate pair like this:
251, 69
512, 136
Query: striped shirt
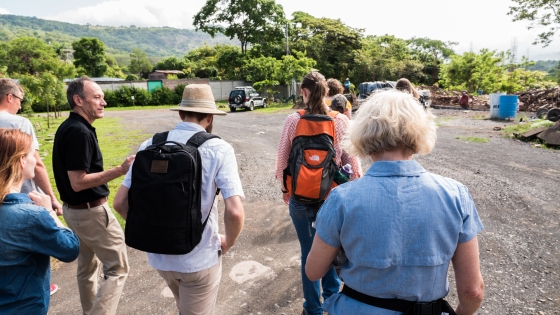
341, 123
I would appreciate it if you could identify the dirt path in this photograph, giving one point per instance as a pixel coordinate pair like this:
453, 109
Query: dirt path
513, 184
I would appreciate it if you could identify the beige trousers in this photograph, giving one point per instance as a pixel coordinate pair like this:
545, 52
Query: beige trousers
195, 293
102, 247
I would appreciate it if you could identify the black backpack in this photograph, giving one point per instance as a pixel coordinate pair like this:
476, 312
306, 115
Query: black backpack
164, 199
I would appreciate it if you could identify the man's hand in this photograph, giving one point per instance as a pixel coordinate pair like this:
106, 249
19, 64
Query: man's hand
41, 200
126, 164
224, 244
56, 206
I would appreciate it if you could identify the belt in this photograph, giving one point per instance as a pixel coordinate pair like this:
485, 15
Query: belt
91, 204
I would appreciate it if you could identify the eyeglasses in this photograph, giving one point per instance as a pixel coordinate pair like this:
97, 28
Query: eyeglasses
20, 98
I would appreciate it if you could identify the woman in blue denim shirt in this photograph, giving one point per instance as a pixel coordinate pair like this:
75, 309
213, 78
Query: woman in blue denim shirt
30, 231
399, 225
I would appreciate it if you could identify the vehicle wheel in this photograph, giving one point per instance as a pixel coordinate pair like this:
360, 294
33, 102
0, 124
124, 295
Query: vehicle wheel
264, 103
251, 106
232, 109
541, 113
553, 114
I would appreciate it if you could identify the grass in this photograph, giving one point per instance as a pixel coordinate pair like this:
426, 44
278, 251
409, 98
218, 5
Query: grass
479, 117
473, 139
520, 128
115, 140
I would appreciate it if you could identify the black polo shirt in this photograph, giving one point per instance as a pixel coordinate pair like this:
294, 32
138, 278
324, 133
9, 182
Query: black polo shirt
76, 149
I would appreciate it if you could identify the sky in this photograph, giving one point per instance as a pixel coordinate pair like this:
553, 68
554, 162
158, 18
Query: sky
473, 24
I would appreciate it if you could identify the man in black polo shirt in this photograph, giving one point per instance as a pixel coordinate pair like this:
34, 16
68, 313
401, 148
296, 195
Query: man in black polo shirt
82, 183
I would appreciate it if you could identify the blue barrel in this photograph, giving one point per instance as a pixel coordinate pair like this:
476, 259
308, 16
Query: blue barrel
508, 106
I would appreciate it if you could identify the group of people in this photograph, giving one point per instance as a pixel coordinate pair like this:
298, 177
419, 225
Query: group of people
398, 225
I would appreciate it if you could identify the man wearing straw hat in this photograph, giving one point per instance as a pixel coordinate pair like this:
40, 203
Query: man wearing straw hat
194, 277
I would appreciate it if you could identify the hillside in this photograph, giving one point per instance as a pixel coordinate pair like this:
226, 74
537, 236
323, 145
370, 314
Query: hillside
155, 41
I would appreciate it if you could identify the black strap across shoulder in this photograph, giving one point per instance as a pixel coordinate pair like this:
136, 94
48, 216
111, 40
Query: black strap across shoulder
407, 307
196, 141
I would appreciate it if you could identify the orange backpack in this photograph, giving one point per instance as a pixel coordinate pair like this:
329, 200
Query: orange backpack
309, 176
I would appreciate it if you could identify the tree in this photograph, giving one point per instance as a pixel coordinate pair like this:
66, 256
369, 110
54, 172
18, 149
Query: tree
329, 42
250, 21
113, 68
432, 53
539, 13
386, 58
139, 62
89, 53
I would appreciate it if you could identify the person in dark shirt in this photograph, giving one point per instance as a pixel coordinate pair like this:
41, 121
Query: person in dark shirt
464, 101
82, 183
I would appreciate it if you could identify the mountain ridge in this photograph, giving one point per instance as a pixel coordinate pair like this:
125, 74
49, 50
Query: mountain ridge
155, 41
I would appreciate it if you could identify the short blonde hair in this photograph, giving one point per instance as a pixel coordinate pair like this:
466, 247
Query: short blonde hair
391, 120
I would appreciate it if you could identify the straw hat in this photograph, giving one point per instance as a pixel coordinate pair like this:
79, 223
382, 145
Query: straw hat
198, 98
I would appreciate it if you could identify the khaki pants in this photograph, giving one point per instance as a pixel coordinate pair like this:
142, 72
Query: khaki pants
195, 293
101, 247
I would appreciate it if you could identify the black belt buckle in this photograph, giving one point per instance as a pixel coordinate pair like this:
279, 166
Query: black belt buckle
427, 308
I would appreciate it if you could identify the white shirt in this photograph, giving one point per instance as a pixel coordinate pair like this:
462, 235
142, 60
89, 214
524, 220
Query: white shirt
219, 170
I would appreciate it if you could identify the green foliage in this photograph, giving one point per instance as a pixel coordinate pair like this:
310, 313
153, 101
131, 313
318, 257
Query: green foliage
329, 42
540, 13
155, 41
164, 96
431, 53
89, 53
131, 77
121, 97
113, 69
139, 63
386, 58
491, 72
250, 21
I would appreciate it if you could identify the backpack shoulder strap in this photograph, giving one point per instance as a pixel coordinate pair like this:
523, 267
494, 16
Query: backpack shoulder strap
301, 112
160, 137
199, 138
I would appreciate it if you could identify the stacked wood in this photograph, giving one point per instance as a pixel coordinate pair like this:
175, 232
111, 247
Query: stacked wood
532, 100
442, 97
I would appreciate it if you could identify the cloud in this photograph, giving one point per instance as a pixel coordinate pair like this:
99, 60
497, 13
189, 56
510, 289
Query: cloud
143, 13
4, 11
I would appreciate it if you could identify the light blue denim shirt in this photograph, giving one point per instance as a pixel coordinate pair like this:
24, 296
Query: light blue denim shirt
399, 226
28, 237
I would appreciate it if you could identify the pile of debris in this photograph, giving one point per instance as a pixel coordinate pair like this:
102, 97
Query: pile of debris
441, 97
533, 100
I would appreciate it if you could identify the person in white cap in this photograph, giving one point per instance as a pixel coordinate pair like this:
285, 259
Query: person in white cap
194, 277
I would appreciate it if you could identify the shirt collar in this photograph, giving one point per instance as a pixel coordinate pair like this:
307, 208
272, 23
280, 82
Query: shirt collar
81, 119
189, 126
395, 168
17, 198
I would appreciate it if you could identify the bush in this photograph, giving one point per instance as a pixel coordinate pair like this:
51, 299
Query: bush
164, 96
122, 97
131, 77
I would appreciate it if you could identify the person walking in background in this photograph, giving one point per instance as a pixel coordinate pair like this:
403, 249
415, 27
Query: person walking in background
404, 85
313, 89
30, 231
194, 277
82, 183
347, 86
11, 99
399, 225
336, 88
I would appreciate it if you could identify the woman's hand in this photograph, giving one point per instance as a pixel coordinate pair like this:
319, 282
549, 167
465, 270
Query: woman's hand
41, 200
286, 198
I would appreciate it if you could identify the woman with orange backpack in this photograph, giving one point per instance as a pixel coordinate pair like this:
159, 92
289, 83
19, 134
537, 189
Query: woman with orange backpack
309, 154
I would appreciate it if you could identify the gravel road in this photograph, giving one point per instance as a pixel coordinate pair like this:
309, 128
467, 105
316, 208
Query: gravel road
514, 185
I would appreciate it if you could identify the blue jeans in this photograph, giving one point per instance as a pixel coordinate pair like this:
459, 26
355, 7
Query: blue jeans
302, 217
